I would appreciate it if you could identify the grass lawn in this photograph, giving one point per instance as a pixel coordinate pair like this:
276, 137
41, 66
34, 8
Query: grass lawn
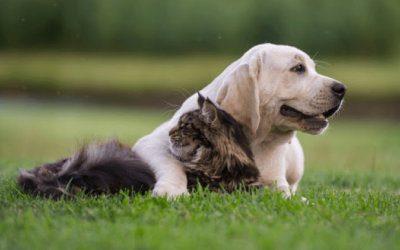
351, 181
94, 73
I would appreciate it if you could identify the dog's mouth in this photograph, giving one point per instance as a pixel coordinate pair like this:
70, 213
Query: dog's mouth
291, 112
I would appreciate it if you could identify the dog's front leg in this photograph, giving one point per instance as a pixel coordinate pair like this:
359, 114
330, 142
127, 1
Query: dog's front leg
284, 187
271, 159
280, 184
170, 176
171, 179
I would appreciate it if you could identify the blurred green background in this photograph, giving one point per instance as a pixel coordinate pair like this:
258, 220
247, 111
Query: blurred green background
75, 70
347, 28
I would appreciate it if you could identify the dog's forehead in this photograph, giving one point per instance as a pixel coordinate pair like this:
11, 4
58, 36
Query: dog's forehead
291, 53
284, 50
283, 55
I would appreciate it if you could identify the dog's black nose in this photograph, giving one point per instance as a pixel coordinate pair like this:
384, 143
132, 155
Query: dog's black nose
338, 89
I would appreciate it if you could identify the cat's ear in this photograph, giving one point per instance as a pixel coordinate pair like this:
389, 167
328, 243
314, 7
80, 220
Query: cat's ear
209, 112
200, 100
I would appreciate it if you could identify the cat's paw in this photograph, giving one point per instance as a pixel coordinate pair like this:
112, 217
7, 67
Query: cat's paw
162, 189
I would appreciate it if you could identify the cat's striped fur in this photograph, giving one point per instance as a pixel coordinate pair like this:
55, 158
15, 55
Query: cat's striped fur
213, 149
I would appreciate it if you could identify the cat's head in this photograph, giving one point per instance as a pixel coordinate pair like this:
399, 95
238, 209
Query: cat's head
208, 129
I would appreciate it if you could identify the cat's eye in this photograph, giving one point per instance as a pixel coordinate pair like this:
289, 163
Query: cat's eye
182, 126
299, 69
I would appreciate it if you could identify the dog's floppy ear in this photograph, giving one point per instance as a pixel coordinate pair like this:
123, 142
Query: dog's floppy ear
239, 94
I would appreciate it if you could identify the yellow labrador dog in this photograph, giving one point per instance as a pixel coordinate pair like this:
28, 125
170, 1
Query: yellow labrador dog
274, 91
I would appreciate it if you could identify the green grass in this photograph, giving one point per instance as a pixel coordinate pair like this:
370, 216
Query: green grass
93, 73
351, 181
333, 219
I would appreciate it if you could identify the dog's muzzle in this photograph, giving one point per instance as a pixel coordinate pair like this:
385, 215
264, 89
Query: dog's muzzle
338, 90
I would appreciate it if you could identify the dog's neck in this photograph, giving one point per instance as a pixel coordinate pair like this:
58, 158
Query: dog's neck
279, 137
275, 137
269, 133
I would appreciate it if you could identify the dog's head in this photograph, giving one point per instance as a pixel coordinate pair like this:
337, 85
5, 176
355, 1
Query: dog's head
278, 87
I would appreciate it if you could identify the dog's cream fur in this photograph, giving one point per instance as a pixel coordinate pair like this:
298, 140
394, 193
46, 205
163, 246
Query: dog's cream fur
252, 90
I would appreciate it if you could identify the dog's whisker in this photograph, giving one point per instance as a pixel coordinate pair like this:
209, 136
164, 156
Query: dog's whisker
318, 62
315, 55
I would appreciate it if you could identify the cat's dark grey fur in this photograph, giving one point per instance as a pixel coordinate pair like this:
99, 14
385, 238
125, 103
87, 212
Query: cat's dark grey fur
103, 167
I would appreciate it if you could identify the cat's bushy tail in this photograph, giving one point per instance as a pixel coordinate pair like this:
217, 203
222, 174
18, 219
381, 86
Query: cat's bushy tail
103, 167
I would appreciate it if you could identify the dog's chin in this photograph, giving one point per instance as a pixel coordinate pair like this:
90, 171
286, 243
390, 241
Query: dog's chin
315, 128
311, 124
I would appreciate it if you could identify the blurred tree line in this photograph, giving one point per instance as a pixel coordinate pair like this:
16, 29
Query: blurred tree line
340, 27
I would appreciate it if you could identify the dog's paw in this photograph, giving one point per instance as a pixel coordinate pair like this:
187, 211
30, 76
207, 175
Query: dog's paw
171, 191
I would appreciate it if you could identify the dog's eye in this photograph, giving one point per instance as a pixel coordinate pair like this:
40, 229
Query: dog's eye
299, 68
